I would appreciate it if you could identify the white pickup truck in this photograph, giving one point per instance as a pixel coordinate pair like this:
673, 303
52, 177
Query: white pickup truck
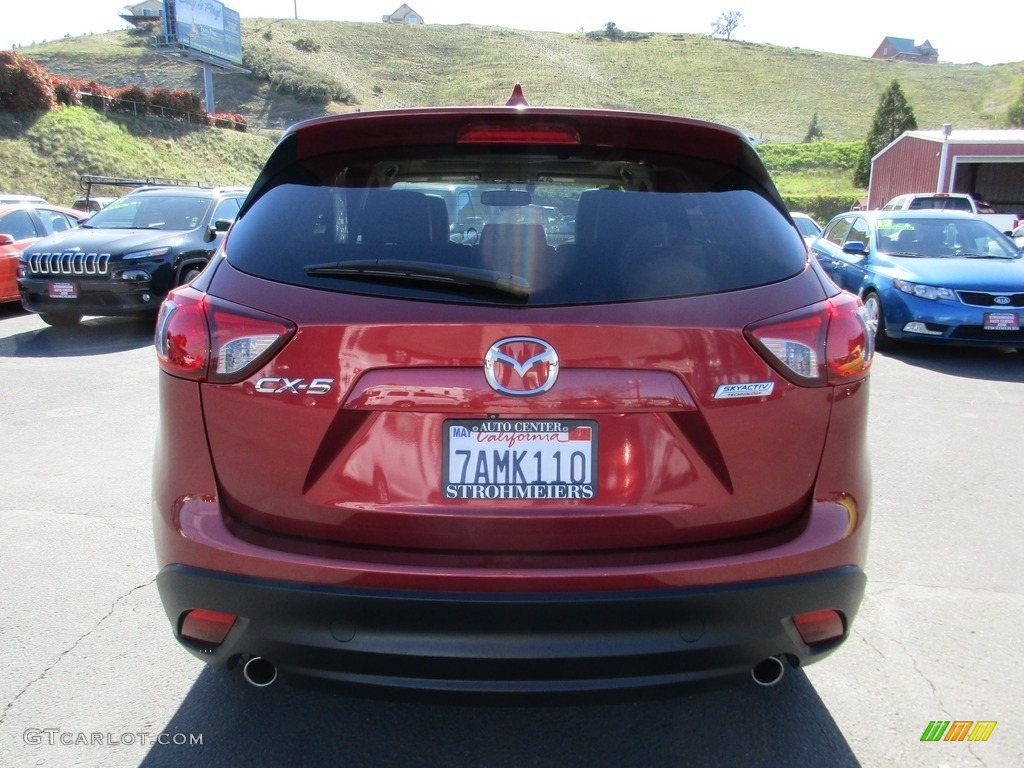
1004, 222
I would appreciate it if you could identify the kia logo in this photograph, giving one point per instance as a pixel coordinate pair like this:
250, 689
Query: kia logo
1002, 299
521, 365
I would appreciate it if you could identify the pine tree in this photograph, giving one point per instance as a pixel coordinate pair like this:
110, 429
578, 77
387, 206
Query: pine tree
814, 132
893, 117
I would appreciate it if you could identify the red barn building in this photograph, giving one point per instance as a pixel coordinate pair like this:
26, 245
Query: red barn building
988, 164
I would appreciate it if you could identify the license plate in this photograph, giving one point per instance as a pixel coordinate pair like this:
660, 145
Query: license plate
518, 459
1002, 321
63, 291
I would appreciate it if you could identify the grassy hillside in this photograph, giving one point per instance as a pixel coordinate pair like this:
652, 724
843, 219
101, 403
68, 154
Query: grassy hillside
47, 154
767, 91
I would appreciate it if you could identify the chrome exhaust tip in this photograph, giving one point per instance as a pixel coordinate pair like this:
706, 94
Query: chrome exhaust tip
259, 672
769, 671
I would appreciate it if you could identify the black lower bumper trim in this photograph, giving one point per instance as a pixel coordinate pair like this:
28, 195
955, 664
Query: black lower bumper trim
510, 643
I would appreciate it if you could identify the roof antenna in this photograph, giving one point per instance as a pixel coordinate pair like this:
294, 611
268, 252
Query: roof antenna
517, 99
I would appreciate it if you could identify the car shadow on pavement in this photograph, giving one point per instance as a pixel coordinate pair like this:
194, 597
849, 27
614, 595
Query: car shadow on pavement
969, 363
93, 336
785, 725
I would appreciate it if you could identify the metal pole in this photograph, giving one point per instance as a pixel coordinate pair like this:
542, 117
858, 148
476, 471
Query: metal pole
941, 182
208, 87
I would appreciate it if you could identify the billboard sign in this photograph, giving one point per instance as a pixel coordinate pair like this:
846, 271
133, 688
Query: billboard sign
207, 26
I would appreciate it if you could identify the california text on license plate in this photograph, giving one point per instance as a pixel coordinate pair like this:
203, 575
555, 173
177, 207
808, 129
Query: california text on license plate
518, 459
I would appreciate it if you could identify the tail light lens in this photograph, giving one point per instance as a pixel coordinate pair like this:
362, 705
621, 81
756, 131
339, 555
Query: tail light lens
825, 344
204, 338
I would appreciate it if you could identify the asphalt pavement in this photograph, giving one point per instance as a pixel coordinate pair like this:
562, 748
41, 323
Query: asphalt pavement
92, 677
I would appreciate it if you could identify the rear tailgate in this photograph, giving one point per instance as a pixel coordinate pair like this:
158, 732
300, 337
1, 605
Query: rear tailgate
363, 432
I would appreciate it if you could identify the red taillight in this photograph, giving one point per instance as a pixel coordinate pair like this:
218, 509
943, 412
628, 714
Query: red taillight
827, 343
819, 626
208, 339
208, 627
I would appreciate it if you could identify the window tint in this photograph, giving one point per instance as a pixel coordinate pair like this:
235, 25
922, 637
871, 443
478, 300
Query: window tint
55, 221
860, 231
560, 230
19, 225
836, 233
227, 209
940, 202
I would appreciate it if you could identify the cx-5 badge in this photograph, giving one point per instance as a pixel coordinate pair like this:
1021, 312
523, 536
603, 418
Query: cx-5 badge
275, 385
521, 365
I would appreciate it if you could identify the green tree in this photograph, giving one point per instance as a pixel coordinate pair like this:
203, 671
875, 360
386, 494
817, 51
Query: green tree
893, 117
726, 24
814, 132
1015, 116
611, 31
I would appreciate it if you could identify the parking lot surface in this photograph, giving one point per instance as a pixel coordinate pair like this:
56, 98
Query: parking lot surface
92, 676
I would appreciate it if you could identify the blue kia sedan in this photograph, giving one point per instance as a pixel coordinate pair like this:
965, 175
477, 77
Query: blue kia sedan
928, 276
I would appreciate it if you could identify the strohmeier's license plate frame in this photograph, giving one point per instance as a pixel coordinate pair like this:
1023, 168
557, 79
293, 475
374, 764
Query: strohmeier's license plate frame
1002, 321
499, 459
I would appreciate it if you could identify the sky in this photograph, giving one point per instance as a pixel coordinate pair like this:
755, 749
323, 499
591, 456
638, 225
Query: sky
963, 33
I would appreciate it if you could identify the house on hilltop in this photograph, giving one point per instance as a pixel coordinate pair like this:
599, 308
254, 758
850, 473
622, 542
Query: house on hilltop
904, 49
404, 15
144, 12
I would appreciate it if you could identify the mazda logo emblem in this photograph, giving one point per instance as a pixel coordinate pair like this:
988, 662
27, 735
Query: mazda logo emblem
521, 365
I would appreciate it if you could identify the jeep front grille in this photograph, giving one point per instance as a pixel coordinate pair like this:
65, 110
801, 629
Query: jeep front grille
69, 263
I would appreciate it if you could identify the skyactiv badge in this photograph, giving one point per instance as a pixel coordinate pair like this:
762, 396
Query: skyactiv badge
749, 389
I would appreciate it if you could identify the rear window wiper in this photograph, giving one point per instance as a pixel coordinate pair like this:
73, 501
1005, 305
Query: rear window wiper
421, 272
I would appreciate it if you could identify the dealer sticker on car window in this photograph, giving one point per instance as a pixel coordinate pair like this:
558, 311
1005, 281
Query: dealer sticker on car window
517, 459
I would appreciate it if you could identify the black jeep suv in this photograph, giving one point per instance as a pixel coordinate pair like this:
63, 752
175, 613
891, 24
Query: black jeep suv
124, 260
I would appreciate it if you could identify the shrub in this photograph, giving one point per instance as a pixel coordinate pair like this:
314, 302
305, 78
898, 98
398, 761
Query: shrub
133, 100
67, 91
24, 85
97, 96
179, 104
306, 44
231, 120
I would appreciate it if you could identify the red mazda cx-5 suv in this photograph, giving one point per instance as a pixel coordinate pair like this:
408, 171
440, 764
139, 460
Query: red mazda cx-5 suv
512, 399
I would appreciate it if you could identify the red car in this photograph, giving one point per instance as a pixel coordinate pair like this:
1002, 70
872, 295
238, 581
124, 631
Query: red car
636, 459
21, 224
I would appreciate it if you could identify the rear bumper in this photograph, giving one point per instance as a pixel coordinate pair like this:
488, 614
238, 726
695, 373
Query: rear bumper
510, 643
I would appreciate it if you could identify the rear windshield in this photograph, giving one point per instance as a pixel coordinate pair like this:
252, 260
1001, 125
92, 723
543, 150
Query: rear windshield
536, 229
943, 203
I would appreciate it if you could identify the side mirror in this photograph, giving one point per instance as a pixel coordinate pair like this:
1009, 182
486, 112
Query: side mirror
218, 227
5, 239
855, 248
